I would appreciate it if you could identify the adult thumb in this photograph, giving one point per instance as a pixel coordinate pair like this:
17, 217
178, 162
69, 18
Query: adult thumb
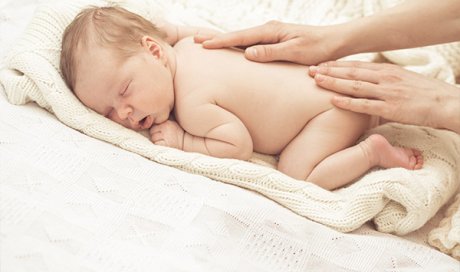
268, 52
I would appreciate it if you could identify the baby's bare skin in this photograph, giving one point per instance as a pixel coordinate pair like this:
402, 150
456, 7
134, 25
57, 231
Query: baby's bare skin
229, 107
225, 105
274, 101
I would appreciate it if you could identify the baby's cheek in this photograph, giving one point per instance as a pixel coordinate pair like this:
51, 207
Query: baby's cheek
116, 119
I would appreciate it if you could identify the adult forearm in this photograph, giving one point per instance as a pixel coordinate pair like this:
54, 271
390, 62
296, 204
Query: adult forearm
411, 24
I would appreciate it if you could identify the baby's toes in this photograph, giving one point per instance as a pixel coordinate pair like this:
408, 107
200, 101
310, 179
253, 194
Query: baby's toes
415, 158
419, 163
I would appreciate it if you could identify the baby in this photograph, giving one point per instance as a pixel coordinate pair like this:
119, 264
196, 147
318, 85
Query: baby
124, 67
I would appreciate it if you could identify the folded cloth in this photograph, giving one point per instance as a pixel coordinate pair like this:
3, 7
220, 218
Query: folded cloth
397, 200
446, 237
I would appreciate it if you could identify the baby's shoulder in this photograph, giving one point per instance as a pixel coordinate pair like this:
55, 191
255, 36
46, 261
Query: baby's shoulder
186, 43
190, 99
193, 95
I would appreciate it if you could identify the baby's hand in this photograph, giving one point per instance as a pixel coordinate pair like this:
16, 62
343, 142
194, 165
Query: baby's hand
168, 133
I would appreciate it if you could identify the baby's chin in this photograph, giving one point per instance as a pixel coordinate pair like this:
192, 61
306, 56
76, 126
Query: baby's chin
162, 118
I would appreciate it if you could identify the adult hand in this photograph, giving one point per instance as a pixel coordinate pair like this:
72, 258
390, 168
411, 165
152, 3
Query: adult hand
391, 92
279, 41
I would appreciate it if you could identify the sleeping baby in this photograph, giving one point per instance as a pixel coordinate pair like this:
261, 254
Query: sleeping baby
125, 68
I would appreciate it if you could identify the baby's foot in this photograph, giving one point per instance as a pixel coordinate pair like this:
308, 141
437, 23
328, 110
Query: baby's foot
383, 154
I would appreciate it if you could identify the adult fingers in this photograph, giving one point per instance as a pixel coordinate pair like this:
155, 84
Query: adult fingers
356, 88
349, 72
366, 106
260, 34
201, 37
356, 64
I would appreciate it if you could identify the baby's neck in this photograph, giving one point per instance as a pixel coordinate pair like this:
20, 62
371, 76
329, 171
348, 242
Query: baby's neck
171, 60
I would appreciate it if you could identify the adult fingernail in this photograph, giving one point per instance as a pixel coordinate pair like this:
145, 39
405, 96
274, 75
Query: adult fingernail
252, 52
341, 100
319, 77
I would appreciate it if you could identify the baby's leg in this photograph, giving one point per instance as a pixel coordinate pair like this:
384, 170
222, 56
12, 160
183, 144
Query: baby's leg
321, 153
345, 166
324, 135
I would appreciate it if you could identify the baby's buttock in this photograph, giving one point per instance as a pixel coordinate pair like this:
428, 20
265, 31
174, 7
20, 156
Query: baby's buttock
274, 123
280, 115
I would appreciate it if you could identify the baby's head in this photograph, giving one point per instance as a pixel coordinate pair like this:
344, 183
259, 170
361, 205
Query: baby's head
117, 64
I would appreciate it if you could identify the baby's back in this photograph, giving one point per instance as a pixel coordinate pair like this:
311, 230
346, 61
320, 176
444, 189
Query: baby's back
273, 100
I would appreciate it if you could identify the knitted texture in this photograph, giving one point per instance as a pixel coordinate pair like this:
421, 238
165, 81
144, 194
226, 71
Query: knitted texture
72, 203
397, 200
446, 236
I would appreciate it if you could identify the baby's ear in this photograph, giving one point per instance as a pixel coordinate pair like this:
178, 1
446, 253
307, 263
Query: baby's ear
153, 46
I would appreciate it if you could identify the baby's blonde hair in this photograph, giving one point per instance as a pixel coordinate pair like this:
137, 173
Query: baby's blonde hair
113, 26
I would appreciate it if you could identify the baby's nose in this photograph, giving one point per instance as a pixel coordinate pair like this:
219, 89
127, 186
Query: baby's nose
124, 112
127, 118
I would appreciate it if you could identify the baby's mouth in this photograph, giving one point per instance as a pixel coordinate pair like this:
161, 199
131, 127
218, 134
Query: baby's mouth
146, 122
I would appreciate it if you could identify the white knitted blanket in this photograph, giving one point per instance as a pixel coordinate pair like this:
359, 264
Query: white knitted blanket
397, 200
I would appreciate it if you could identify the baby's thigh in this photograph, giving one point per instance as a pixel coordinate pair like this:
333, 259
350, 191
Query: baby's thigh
338, 126
324, 135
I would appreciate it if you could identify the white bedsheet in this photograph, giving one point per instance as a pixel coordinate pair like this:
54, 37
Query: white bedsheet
69, 202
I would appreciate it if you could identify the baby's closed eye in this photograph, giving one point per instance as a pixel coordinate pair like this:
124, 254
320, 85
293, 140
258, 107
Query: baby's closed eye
108, 113
125, 90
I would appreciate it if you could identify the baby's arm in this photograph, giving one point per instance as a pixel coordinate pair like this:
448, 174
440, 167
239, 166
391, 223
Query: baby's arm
209, 129
175, 33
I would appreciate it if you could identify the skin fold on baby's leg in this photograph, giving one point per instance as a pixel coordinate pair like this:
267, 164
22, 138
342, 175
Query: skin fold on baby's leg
325, 153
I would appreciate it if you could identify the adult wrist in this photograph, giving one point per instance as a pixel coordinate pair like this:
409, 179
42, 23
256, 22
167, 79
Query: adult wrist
367, 34
347, 40
450, 119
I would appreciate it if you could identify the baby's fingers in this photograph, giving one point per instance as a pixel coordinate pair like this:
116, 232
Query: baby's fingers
160, 142
156, 134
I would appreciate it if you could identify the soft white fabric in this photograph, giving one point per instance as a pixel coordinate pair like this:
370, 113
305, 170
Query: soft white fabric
72, 203
446, 236
397, 200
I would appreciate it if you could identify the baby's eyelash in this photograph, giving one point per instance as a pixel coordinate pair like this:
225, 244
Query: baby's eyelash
126, 89
107, 115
